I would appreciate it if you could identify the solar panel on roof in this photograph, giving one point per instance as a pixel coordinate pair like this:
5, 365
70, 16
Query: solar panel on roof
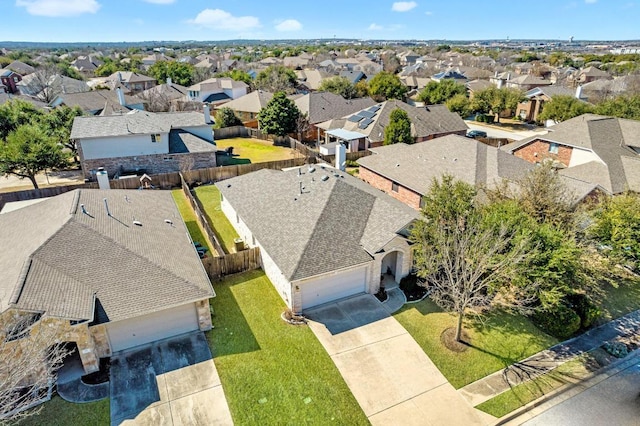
355, 118
364, 123
374, 108
367, 114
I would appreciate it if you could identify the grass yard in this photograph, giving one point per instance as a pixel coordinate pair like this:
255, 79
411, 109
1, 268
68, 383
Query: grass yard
272, 372
59, 412
247, 150
209, 196
500, 341
619, 300
189, 217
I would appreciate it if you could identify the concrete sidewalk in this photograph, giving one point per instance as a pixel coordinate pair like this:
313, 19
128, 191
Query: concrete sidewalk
545, 361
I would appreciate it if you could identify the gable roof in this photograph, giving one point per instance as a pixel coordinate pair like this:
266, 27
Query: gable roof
415, 166
60, 264
218, 83
549, 91
323, 106
334, 223
129, 77
94, 100
251, 102
134, 122
425, 121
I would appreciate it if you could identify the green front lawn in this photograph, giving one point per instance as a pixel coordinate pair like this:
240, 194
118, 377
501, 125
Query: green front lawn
209, 197
619, 299
272, 372
499, 341
59, 412
189, 217
246, 150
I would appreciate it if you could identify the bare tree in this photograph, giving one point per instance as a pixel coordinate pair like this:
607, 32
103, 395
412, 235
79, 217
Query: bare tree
44, 84
31, 355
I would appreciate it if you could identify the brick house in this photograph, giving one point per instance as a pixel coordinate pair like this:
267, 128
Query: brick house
406, 171
592, 148
9, 80
538, 96
144, 142
102, 282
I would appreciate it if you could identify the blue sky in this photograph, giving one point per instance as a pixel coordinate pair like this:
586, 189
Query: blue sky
139, 20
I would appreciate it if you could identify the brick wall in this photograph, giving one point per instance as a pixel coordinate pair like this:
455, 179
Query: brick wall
538, 150
405, 195
152, 164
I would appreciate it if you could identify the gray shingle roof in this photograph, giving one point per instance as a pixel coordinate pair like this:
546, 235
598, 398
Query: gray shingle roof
70, 257
135, 122
333, 224
609, 138
415, 166
95, 100
182, 142
251, 102
323, 106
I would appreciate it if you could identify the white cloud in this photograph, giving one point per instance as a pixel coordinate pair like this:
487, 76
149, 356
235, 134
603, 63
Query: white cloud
403, 6
219, 19
58, 8
160, 1
375, 27
289, 25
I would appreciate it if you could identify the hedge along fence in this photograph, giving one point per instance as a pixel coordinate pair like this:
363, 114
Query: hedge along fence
201, 218
220, 266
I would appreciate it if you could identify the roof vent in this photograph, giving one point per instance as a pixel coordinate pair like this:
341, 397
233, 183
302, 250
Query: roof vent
397, 164
311, 169
84, 210
168, 221
137, 223
325, 178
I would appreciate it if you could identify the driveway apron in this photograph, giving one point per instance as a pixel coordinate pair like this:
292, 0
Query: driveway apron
390, 376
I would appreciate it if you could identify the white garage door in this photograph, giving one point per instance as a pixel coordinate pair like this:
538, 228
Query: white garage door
159, 325
330, 288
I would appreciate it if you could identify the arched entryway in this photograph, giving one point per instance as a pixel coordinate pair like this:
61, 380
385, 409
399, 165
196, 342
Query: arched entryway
391, 266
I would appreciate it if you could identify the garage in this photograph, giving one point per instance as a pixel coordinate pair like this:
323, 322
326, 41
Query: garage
151, 327
332, 287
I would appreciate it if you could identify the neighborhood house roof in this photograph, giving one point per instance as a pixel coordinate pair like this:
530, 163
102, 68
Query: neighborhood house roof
333, 220
251, 102
135, 122
93, 100
79, 260
322, 106
346, 135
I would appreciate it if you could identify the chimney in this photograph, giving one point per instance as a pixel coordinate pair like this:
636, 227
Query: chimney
207, 114
169, 81
579, 92
103, 178
341, 157
500, 82
120, 94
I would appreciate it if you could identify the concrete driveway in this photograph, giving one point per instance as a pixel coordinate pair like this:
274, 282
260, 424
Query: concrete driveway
170, 382
390, 376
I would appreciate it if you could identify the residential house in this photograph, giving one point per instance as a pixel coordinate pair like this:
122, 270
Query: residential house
99, 102
590, 74
167, 97
151, 59
311, 79
538, 96
7, 97
295, 62
20, 67
9, 81
365, 129
339, 237
406, 172
144, 142
592, 148
604, 89
87, 65
475, 86
45, 87
217, 90
354, 77
450, 74
527, 82
132, 81
408, 58
248, 107
415, 83
322, 106
108, 270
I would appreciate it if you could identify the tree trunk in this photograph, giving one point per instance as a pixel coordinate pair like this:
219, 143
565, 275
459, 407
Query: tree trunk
33, 181
459, 327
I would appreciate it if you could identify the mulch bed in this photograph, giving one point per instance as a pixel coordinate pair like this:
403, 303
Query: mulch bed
448, 339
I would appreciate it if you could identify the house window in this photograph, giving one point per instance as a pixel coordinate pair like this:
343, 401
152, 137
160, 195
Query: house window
394, 186
553, 148
156, 138
422, 203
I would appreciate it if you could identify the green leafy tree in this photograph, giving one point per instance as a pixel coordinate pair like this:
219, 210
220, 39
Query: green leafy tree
58, 124
226, 117
340, 86
180, 72
625, 106
279, 116
617, 227
399, 128
385, 85
28, 151
465, 259
460, 104
16, 113
496, 101
276, 78
563, 107
439, 92
237, 75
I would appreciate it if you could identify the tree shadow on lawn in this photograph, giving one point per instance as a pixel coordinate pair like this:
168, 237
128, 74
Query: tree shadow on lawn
231, 160
231, 333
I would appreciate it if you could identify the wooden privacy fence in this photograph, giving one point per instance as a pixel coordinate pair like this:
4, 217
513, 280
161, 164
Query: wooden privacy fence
220, 266
202, 219
231, 132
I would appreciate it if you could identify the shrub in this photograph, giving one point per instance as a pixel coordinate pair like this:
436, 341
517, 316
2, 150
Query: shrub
585, 308
617, 349
561, 322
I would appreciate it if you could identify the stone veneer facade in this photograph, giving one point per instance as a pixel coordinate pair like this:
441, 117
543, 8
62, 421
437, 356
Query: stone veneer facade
538, 150
405, 195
